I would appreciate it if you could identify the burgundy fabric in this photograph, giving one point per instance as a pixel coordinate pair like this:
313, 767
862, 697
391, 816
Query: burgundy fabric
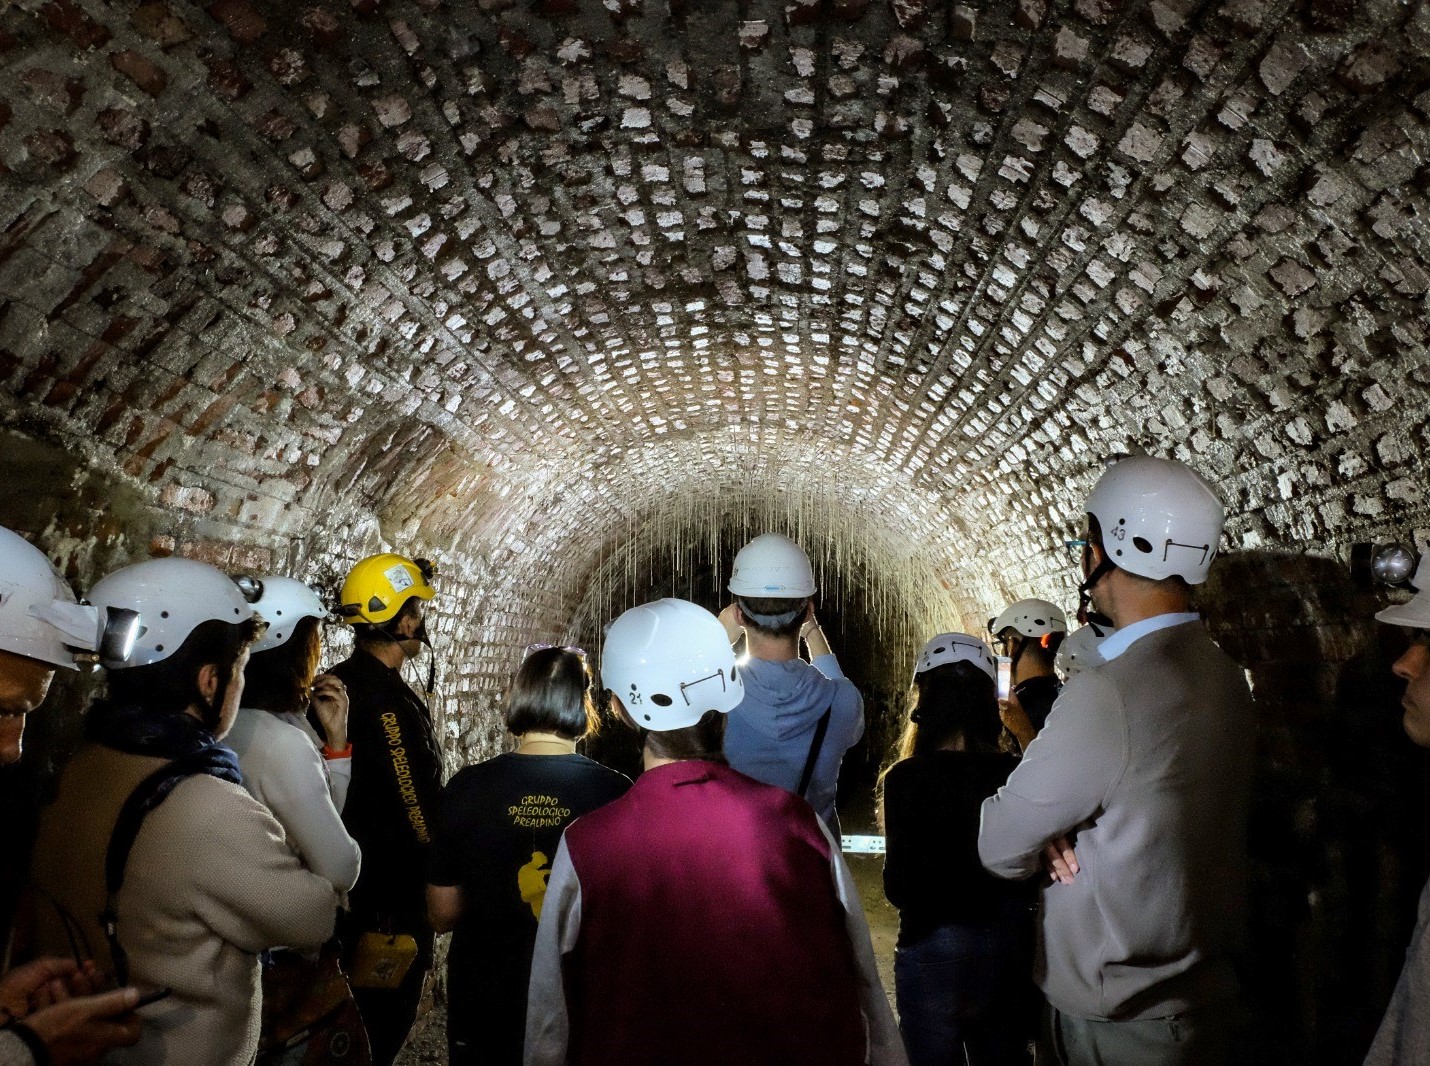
711, 931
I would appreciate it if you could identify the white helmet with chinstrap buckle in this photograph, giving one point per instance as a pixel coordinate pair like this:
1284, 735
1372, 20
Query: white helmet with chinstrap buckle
669, 662
956, 648
1159, 518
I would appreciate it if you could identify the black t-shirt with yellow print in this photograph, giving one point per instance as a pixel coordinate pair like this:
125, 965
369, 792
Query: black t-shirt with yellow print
501, 822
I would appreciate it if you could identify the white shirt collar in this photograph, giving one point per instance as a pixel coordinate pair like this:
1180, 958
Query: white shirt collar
1124, 638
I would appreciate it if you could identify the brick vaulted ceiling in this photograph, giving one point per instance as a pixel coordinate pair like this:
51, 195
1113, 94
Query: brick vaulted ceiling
536, 283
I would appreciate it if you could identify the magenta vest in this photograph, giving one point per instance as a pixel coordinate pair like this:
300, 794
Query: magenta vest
710, 929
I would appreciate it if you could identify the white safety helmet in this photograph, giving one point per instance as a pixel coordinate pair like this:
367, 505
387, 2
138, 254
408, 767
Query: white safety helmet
669, 662
956, 648
173, 597
1159, 518
283, 602
1031, 618
1080, 650
1414, 613
772, 567
40, 618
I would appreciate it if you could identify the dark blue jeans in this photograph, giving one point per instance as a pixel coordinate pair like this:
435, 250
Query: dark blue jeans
963, 990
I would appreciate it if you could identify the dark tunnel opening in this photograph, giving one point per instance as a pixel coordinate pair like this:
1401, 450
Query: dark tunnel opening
874, 641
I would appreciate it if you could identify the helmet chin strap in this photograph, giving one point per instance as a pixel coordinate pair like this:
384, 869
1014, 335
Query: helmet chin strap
431, 660
1086, 615
422, 638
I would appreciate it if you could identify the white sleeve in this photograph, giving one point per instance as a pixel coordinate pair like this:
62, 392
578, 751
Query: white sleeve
14, 1051
296, 789
548, 1022
886, 1046
340, 776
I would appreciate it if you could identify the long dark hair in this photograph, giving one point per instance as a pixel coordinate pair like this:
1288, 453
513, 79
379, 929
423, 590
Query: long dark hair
552, 693
703, 740
281, 679
950, 702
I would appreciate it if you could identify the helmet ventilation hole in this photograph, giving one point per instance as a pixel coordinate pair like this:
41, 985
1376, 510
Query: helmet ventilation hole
660, 699
1142, 544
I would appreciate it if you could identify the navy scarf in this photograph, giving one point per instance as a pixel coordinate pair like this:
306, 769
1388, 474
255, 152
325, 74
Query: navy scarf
175, 737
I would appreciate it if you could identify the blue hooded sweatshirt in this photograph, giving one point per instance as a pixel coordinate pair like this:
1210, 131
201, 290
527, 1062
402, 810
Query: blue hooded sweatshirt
768, 735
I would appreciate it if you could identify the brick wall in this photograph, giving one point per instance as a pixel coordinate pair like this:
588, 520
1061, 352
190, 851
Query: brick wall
565, 291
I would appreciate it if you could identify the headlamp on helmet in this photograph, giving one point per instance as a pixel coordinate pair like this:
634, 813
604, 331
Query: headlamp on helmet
1390, 565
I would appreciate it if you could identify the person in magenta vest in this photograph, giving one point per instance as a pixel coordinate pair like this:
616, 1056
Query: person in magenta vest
703, 917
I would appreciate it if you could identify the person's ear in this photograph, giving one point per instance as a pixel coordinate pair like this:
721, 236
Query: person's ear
1093, 556
208, 681
740, 617
809, 611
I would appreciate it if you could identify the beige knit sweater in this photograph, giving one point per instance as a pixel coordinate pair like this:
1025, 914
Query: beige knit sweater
210, 884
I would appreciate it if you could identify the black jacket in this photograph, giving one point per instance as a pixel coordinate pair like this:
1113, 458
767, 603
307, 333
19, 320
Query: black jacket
396, 785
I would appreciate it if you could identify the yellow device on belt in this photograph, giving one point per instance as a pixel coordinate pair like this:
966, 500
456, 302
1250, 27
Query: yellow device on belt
382, 960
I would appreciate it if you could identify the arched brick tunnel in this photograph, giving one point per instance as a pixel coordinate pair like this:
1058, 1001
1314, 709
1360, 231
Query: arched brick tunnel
572, 296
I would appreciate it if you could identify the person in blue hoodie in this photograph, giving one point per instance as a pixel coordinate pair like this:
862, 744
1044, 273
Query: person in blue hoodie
798, 718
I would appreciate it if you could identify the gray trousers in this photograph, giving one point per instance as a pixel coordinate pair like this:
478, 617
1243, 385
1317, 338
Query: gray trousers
1204, 1037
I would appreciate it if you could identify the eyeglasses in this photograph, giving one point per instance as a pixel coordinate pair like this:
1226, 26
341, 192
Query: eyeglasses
1075, 546
530, 648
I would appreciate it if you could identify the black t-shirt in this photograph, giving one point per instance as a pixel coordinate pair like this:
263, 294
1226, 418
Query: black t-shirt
932, 873
497, 836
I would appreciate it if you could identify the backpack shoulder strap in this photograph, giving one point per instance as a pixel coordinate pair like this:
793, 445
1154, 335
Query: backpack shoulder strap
147, 795
814, 746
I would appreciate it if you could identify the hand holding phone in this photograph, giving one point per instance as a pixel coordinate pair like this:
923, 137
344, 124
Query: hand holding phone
1005, 677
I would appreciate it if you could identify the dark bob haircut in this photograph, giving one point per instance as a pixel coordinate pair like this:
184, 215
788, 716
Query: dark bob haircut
552, 694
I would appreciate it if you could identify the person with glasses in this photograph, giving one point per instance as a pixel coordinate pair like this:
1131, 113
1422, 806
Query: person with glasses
42, 629
703, 918
1134, 797
501, 822
396, 788
1029, 634
153, 860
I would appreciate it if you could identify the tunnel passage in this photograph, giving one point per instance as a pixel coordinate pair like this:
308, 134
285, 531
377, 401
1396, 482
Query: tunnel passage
533, 287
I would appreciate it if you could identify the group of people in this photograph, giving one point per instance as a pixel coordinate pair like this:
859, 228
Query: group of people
230, 809
250, 858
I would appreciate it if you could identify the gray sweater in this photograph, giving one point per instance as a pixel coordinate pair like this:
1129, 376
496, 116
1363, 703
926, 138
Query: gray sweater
1404, 1036
1146, 763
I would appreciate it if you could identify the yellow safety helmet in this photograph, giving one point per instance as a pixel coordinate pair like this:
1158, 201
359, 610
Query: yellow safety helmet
377, 587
